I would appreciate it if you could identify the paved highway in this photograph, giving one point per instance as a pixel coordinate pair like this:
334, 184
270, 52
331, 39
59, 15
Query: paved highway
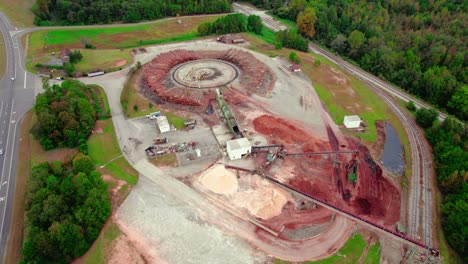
420, 202
16, 97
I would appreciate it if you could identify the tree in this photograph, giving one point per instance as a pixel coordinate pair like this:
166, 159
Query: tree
340, 44
254, 24
294, 57
83, 164
65, 212
204, 29
426, 117
306, 22
458, 104
411, 106
75, 56
356, 39
69, 69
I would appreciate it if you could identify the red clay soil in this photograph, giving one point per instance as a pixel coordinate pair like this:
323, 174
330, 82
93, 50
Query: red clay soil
280, 130
255, 77
374, 197
291, 218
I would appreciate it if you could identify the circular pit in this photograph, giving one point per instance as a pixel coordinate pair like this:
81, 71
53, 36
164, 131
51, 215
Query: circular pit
205, 73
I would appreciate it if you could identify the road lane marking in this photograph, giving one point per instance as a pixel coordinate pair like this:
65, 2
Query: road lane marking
25, 79
1, 108
12, 153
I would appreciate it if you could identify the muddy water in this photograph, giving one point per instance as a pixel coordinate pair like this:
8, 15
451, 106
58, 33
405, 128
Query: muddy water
392, 155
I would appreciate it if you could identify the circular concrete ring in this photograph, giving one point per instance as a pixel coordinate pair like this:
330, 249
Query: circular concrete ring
204, 73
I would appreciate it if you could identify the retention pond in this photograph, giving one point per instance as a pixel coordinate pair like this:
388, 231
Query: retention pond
392, 155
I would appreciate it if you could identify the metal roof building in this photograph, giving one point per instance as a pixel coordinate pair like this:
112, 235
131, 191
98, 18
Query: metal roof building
237, 148
352, 121
163, 124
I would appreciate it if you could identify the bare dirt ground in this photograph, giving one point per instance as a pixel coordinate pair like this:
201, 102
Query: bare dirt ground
130, 247
183, 225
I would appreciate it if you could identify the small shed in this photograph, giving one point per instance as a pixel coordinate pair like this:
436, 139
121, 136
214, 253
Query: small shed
163, 124
190, 123
295, 68
65, 55
237, 148
352, 121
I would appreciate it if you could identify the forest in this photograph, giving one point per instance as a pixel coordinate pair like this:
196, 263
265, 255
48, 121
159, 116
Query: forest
65, 115
419, 45
449, 142
85, 12
67, 205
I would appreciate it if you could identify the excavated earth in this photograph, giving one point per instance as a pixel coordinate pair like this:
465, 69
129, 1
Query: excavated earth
374, 197
258, 96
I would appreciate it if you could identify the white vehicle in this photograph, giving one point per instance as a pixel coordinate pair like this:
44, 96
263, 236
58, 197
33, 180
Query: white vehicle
60, 78
12, 78
1, 151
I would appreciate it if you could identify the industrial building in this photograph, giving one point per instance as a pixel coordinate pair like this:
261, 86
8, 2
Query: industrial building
163, 124
237, 148
352, 121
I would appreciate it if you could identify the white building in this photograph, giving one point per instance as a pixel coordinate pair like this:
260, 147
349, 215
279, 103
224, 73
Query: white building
352, 121
237, 148
163, 124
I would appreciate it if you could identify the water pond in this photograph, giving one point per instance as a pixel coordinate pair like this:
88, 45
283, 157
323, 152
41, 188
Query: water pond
392, 155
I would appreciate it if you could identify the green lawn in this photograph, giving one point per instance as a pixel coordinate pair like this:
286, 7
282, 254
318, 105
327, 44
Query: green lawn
373, 255
349, 253
104, 147
108, 60
110, 40
97, 253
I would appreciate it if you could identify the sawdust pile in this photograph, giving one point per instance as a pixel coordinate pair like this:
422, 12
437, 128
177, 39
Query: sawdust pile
255, 77
265, 202
219, 180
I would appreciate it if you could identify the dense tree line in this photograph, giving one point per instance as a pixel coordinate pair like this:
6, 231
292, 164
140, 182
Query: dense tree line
291, 39
449, 142
419, 45
67, 204
73, 12
65, 115
233, 23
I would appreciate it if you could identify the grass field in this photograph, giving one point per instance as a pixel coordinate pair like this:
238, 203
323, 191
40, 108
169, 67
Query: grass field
104, 147
373, 255
19, 12
108, 60
348, 254
2, 56
113, 43
118, 37
97, 253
